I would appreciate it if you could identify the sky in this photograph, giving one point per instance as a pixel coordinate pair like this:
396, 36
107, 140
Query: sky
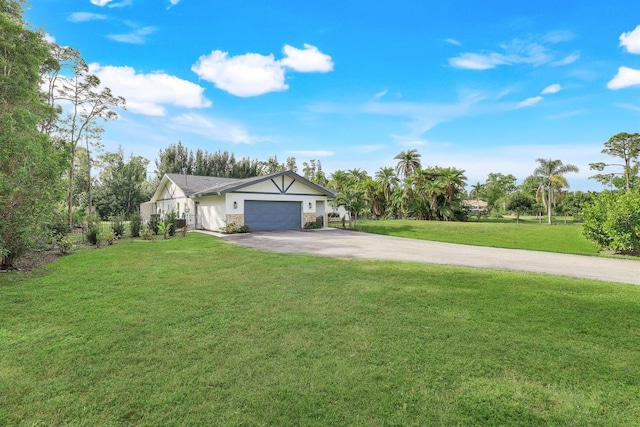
486, 86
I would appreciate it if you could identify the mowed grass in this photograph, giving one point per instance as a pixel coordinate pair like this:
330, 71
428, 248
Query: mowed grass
196, 331
562, 238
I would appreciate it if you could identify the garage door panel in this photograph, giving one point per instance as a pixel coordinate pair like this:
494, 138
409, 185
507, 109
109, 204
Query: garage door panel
266, 215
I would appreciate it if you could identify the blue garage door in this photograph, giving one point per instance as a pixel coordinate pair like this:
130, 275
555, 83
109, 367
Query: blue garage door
261, 215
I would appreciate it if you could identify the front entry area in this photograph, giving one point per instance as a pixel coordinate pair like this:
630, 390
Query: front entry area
266, 215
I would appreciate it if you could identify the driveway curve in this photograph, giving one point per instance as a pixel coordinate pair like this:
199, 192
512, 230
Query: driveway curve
352, 244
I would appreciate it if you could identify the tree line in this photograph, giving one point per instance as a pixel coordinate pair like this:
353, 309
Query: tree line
439, 193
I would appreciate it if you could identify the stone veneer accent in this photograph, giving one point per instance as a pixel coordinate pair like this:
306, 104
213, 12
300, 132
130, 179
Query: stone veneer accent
235, 219
309, 217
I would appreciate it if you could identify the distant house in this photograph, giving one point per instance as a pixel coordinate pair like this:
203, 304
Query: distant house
278, 201
475, 206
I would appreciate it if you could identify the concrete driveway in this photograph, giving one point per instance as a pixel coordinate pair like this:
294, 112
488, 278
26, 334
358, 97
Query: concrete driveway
351, 244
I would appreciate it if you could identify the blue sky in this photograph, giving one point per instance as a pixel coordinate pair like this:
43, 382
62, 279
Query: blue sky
484, 86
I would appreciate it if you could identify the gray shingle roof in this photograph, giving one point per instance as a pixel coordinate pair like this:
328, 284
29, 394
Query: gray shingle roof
198, 186
191, 184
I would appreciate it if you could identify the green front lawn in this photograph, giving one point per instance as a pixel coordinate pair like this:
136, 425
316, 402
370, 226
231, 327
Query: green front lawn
195, 331
500, 234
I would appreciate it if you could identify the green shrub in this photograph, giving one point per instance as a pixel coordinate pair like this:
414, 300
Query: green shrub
78, 216
146, 233
233, 228
314, 225
154, 220
135, 224
612, 220
117, 225
170, 223
92, 229
64, 244
163, 229
109, 237
58, 225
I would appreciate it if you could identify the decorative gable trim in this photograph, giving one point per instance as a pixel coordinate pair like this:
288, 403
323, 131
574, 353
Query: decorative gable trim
281, 188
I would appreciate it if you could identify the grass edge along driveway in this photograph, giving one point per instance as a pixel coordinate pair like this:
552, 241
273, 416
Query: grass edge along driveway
528, 235
196, 331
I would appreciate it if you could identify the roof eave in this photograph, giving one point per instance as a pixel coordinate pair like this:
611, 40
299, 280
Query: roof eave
163, 184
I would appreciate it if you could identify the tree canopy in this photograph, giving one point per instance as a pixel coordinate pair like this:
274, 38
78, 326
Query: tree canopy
177, 158
30, 163
625, 146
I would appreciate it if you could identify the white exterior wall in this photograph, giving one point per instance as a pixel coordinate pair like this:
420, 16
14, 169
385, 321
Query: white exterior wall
169, 199
146, 210
269, 187
211, 212
173, 198
241, 197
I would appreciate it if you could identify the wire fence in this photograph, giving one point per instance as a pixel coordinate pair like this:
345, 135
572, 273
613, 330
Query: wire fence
79, 233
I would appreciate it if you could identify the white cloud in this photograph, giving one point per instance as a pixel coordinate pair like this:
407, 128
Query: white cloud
409, 141
559, 36
148, 93
476, 61
569, 59
85, 17
307, 60
369, 148
312, 153
518, 51
136, 37
551, 89
109, 4
479, 162
530, 102
631, 40
49, 38
453, 42
526, 52
246, 75
121, 4
567, 114
421, 117
626, 77
380, 94
219, 130
253, 74
629, 107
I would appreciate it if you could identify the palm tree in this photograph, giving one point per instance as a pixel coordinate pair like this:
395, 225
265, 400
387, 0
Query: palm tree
320, 178
408, 161
339, 180
433, 190
374, 195
428, 190
387, 180
404, 196
453, 181
551, 175
476, 191
357, 175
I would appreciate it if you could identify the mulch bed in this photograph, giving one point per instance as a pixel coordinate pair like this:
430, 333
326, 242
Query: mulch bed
33, 259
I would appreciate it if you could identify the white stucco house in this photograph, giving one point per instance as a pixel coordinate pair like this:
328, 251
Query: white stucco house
278, 201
